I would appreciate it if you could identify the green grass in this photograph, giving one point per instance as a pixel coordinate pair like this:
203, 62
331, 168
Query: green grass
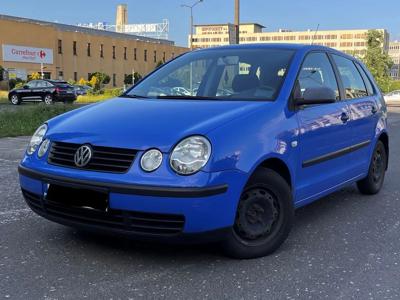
26, 119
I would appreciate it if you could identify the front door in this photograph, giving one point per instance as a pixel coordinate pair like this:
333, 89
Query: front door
324, 133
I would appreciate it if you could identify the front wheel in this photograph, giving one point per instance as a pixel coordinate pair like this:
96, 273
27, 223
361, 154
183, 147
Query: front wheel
372, 184
15, 99
264, 217
48, 99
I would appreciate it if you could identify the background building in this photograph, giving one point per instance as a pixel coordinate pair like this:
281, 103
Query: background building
349, 41
73, 52
394, 53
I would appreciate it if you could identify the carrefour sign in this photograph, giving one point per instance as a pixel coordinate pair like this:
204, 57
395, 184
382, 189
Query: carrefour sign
27, 54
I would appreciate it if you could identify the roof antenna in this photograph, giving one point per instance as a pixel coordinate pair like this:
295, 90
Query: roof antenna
315, 34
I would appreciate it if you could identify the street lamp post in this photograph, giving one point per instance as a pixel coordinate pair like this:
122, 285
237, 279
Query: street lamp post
191, 20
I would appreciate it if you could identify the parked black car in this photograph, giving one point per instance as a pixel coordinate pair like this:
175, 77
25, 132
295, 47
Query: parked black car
45, 90
81, 89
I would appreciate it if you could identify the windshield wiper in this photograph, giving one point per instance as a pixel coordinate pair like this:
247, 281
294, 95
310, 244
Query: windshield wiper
134, 96
187, 97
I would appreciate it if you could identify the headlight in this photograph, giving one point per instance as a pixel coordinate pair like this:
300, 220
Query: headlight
44, 147
190, 155
36, 139
151, 160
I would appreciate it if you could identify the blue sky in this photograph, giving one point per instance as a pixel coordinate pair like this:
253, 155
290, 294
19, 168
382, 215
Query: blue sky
290, 14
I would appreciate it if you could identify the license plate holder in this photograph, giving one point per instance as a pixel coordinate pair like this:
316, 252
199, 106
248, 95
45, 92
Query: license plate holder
76, 196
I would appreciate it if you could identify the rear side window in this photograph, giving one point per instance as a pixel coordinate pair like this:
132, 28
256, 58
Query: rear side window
352, 81
367, 81
316, 71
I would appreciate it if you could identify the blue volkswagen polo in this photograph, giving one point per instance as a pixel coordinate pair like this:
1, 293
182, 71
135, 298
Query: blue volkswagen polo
219, 145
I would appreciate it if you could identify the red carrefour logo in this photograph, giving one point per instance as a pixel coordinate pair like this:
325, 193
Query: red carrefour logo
42, 54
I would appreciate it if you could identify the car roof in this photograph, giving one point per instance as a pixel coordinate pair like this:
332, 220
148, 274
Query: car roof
280, 46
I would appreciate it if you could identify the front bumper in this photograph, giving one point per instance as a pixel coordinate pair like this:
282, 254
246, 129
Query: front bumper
204, 213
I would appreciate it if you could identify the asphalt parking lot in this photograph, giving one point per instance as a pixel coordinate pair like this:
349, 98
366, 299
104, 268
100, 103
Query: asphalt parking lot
343, 246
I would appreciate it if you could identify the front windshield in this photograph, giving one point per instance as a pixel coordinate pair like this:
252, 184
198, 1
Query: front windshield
255, 74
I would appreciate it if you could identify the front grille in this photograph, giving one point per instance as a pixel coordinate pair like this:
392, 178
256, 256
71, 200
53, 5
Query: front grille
132, 221
105, 159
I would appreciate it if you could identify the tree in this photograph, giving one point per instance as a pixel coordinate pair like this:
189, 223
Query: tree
128, 79
377, 59
82, 81
103, 78
159, 64
94, 83
34, 76
137, 77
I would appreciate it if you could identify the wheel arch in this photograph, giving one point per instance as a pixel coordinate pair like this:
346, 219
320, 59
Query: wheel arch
279, 166
384, 138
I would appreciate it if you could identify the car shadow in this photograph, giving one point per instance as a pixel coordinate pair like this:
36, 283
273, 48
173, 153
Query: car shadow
306, 217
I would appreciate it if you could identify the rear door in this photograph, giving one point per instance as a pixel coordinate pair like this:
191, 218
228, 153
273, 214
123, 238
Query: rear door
40, 89
324, 133
363, 104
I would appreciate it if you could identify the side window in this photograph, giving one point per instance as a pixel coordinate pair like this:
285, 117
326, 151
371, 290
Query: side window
367, 81
351, 78
316, 71
32, 84
40, 84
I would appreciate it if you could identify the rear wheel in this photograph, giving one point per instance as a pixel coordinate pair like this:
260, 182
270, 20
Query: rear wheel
264, 217
48, 99
15, 99
372, 184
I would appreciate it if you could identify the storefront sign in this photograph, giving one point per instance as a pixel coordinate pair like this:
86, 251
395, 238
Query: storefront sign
27, 54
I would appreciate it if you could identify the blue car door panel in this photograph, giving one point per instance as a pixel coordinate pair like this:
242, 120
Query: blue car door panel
363, 109
325, 137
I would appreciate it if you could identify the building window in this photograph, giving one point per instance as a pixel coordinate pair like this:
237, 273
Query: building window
155, 56
89, 76
74, 48
113, 53
125, 56
60, 75
145, 55
135, 54
163, 57
75, 76
101, 50
59, 46
173, 55
88, 49
114, 80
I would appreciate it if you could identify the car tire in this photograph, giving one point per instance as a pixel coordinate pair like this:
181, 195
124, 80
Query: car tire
48, 99
264, 217
372, 184
15, 99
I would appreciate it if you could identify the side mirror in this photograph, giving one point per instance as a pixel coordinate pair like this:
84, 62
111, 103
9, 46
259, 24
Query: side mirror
317, 95
26, 87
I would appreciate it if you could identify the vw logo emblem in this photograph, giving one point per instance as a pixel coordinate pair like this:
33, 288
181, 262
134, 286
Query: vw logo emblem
83, 156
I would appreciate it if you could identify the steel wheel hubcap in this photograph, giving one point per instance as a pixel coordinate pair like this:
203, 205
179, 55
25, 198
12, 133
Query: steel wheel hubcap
47, 99
257, 214
14, 99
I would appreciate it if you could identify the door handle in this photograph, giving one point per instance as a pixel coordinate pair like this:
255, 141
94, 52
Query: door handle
374, 110
344, 117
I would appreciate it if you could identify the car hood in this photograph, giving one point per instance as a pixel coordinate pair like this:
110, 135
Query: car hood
145, 123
